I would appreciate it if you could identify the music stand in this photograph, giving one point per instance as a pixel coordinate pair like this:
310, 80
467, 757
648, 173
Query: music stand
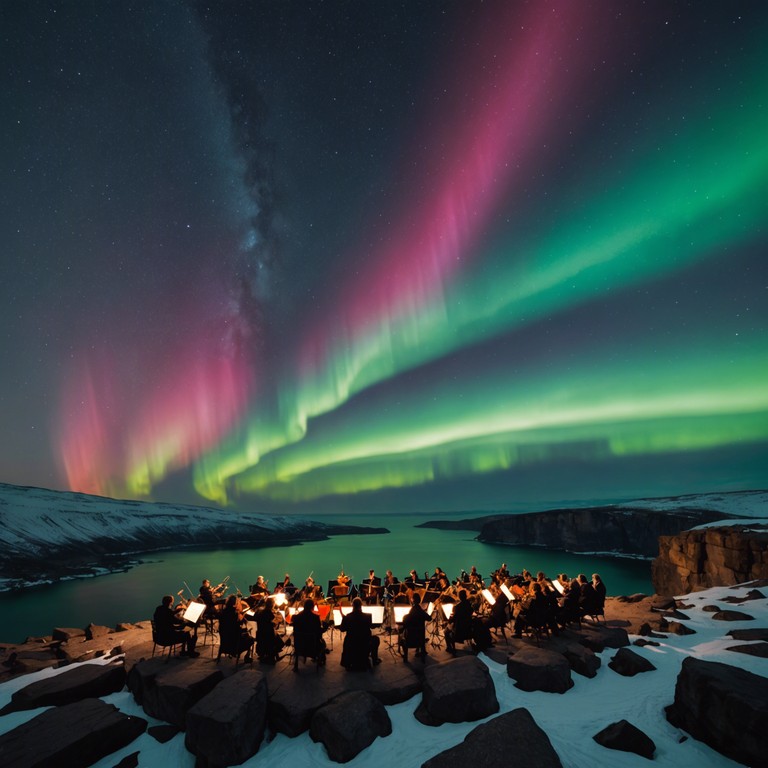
507, 593
486, 593
193, 612
558, 586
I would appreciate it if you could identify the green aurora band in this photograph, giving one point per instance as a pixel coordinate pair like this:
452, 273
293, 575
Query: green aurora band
700, 194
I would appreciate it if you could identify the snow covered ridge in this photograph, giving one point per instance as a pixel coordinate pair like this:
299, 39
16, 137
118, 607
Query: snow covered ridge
36, 523
741, 504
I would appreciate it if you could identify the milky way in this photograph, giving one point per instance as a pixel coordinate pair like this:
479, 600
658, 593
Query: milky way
361, 255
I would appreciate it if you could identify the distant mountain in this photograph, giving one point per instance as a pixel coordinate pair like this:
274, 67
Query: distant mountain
628, 529
47, 535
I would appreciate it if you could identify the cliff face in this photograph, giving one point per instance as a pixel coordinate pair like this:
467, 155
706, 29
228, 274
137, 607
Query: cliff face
707, 557
620, 530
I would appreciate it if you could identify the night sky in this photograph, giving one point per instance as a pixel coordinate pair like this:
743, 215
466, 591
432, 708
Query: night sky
384, 256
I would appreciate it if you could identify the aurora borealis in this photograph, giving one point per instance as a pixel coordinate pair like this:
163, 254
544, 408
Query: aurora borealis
366, 255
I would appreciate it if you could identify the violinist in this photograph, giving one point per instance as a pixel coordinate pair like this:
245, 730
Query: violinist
475, 579
268, 644
234, 637
391, 585
211, 596
461, 621
342, 579
260, 587
287, 586
169, 628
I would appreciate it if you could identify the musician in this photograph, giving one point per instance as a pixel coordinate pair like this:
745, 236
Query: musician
287, 586
371, 587
534, 611
600, 592
307, 635
414, 634
233, 636
343, 579
461, 619
475, 578
169, 628
208, 596
413, 579
260, 587
391, 585
587, 597
359, 642
503, 571
569, 604
268, 643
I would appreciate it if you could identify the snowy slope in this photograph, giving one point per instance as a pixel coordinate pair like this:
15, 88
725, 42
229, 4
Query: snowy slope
742, 504
35, 522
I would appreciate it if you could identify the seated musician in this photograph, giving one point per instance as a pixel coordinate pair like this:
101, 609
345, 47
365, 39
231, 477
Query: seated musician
391, 585
268, 643
233, 636
412, 580
414, 633
287, 585
359, 642
371, 588
587, 597
569, 604
475, 578
461, 621
600, 592
499, 611
343, 579
307, 635
208, 596
169, 628
260, 587
535, 611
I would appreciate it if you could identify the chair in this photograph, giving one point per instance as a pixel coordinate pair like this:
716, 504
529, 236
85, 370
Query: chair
233, 644
169, 644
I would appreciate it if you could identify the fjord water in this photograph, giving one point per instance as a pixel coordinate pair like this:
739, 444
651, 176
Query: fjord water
133, 595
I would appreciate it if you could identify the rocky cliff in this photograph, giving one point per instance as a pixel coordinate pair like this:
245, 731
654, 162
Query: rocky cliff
620, 530
707, 557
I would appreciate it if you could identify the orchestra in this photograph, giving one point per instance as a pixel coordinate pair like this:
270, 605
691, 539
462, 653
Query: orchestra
420, 611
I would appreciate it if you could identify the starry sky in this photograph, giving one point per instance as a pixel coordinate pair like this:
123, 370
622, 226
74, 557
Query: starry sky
384, 256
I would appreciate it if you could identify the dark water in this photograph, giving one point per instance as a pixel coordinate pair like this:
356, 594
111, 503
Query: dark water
133, 595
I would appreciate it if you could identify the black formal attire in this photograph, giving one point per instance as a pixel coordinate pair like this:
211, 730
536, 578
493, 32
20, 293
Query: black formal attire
600, 596
268, 644
533, 613
307, 637
414, 634
206, 595
461, 619
587, 599
233, 637
359, 642
169, 628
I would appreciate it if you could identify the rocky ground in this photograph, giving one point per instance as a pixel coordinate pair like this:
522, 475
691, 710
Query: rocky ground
190, 701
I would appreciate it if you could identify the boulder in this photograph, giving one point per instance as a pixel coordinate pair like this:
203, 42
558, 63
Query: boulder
627, 738
168, 691
581, 659
641, 642
129, 761
538, 669
74, 734
458, 690
93, 631
83, 681
756, 633
493, 745
760, 650
723, 706
163, 733
675, 628
348, 724
628, 663
227, 725
753, 594
732, 616
65, 634
598, 638
711, 608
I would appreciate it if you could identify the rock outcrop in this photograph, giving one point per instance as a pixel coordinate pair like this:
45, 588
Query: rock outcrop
627, 738
710, 557
538, 669
724, 707
621, 530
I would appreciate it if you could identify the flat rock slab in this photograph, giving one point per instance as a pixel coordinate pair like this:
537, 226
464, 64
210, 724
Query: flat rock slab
168, 691
598, 638
723, 706
675, 628
756, 633
294, 698
68, 633
732, 616
81, 682
71, 735
348, 724
457, 691
539, 669
495, 743
581, 659
752, 649
227, 725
